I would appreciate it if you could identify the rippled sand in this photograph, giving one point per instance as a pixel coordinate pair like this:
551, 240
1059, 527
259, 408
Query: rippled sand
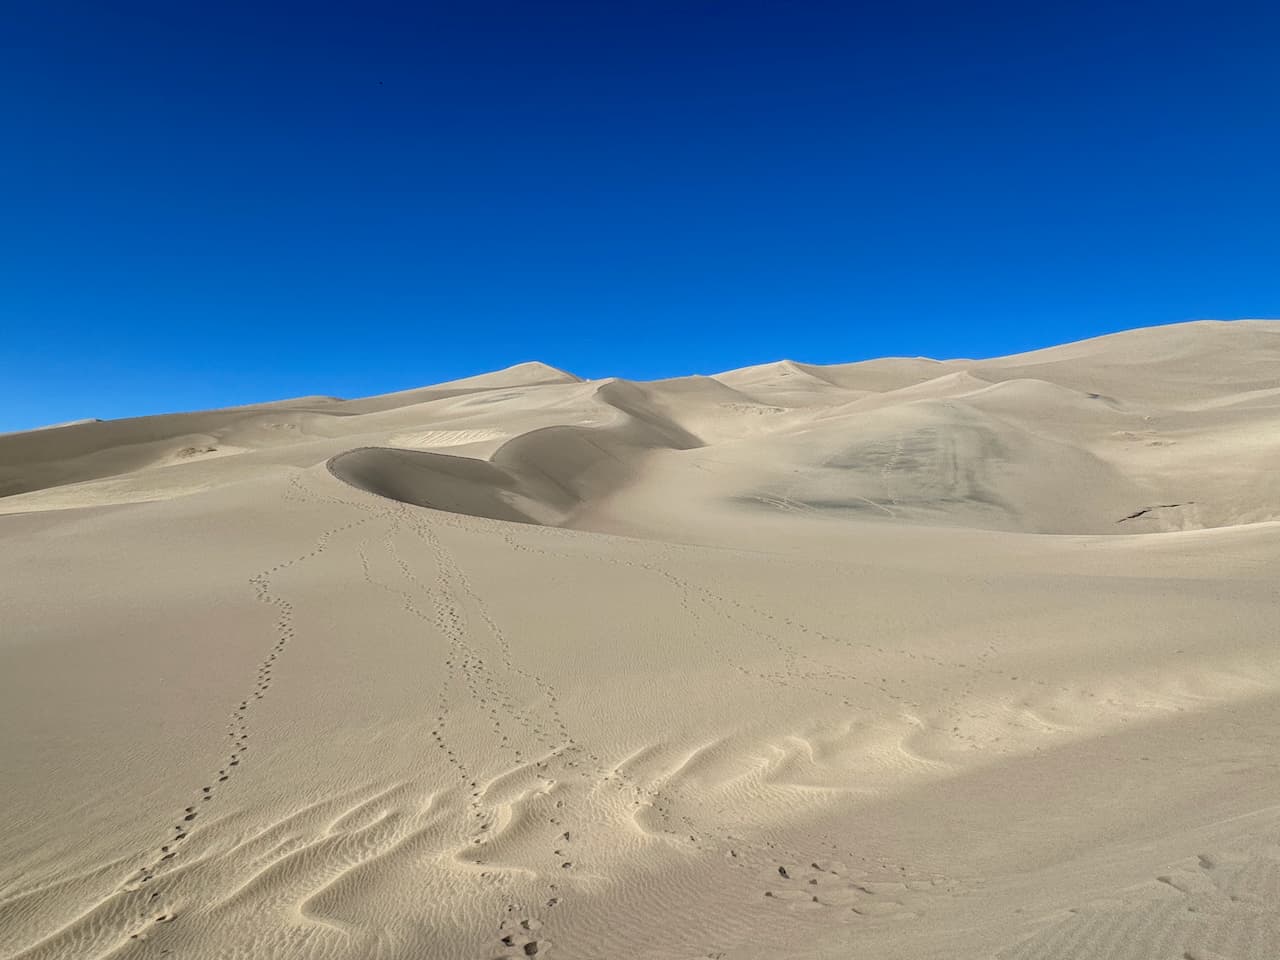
897, 659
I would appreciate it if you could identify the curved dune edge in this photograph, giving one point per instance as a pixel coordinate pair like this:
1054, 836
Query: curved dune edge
435, 480
1150, 431
768, 690
543, 477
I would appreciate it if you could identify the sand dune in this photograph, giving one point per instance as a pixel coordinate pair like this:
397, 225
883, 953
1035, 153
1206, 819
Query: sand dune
903, 658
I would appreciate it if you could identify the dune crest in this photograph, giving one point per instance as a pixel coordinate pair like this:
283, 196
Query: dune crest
1078, 439
898, 658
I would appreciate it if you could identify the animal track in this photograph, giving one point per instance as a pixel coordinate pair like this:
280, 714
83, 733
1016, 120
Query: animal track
446, 603
481, 665
518, 938
162, 860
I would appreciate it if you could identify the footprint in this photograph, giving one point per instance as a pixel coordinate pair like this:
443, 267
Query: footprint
519, 942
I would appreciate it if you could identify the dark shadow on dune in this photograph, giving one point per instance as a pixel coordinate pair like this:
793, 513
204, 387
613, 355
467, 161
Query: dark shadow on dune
546, 476
436, 480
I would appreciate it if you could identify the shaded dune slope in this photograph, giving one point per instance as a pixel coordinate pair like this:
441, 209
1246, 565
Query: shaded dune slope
544, 476
770, 664
1141, 432
1168, 428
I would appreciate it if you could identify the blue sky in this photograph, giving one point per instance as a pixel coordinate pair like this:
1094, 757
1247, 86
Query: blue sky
204, 204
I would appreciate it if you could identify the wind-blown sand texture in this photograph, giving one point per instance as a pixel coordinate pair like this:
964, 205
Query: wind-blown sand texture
896, 659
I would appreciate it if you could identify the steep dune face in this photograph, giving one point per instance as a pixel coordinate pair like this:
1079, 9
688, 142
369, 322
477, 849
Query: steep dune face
1163, 429
1091, 444
543, 476
940, 660
454, 484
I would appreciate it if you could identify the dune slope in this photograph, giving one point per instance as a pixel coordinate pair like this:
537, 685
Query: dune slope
895, 659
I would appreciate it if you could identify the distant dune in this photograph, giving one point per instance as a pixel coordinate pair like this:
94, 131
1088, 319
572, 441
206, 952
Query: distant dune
899, 658
1073, 439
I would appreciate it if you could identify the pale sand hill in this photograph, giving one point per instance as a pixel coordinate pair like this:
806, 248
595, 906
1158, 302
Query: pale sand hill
900, 659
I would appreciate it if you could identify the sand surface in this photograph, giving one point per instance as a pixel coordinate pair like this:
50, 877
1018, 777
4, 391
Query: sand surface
897, 659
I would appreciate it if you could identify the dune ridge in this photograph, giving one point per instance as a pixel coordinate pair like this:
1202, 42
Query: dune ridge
559, 447
898, 658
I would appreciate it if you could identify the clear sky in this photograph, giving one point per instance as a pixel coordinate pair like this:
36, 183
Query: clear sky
208, 203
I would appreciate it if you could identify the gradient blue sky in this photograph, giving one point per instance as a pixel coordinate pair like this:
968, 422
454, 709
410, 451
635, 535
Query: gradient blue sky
215, 203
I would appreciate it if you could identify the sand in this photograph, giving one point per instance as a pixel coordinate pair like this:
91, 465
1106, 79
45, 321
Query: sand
897, 659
